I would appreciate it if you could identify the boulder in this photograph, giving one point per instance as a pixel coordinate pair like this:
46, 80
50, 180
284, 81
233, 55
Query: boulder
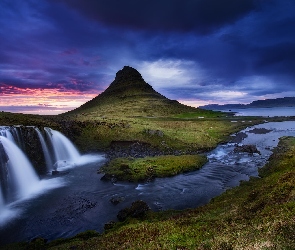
116, 200
109, 225
138, 209
251, 149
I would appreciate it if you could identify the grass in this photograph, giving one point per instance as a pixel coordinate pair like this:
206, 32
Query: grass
142, 169
187, 135
259, 214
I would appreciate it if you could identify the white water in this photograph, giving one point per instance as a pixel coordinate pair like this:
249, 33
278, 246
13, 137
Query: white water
1, 199
65, 152
22, 180
6, 133
46, 153
21, 171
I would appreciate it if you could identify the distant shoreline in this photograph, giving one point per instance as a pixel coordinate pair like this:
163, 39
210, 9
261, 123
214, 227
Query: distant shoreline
268, 103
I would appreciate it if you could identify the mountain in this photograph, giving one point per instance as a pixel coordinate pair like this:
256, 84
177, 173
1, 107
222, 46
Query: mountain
268, 103
130, 95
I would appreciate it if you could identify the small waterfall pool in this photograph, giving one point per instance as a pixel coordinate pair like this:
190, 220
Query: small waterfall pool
79, 200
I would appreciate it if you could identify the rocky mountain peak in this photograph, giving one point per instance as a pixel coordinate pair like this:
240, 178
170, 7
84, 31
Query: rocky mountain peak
126, 77
128, 74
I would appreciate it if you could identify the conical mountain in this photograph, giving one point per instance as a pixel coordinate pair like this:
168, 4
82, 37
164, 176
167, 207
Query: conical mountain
130, 95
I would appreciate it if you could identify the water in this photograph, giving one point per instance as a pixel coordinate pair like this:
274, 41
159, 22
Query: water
18, 168
265, 112
64, 150
18, 180
45, 149
1, 199
83, 202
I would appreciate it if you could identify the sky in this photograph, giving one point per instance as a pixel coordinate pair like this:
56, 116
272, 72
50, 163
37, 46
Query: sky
57, 54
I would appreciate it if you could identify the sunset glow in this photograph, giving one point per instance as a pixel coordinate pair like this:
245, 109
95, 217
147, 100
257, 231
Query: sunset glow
41, 101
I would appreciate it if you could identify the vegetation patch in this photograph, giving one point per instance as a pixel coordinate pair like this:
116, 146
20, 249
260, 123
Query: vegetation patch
144, 169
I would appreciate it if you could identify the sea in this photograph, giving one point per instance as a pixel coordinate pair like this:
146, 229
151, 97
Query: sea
265, 112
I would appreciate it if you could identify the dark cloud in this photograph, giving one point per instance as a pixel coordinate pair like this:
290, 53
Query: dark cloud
193, 49
202, 16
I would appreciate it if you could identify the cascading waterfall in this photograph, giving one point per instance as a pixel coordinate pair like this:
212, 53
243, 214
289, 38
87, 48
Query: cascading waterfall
5, 131
18, 178
64, 150
1, 200
46, 152
16, 133
22, 177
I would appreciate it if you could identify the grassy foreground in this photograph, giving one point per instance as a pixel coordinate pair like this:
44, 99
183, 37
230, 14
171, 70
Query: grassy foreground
259, 214
142, 169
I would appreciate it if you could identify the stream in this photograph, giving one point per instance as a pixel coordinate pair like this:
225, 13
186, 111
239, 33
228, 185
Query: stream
78, 200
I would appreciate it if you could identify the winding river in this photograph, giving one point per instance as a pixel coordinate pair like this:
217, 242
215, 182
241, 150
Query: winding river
79, 200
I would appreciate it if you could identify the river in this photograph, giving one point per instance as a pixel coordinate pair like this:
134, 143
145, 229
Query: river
81, 201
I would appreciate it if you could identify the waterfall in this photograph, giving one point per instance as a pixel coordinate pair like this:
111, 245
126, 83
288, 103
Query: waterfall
5, 131
64, 150
17, 135
21, 172
1, 200
45, 149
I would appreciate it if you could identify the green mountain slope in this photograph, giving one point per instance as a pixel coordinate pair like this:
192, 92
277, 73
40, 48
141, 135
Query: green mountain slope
130, 95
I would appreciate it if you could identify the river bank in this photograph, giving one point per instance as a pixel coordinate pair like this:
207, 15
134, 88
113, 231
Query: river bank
84, 202
259, 213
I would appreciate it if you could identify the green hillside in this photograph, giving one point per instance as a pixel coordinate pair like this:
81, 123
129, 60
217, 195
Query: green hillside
129, 95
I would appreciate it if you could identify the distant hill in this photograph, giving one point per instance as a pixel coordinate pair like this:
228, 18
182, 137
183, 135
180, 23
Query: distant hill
130, 95
268, 103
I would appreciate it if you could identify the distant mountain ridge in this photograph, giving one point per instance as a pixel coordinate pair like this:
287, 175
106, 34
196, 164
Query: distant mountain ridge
268, 103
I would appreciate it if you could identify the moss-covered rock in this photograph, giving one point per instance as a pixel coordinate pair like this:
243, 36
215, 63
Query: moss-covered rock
147, 168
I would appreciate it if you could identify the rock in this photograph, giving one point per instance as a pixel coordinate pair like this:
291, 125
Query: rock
251, 149
238, 137
56, 172
116, 200
260, 131
63, 164
138, 209
109, 225
39, 239
109, 177
154, 132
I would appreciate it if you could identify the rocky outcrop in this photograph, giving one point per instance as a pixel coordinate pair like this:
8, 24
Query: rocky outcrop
138, 209
117, 199
251, 149
134, 149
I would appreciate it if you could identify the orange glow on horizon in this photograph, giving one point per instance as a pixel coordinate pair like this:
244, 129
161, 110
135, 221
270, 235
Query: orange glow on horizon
42, 101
